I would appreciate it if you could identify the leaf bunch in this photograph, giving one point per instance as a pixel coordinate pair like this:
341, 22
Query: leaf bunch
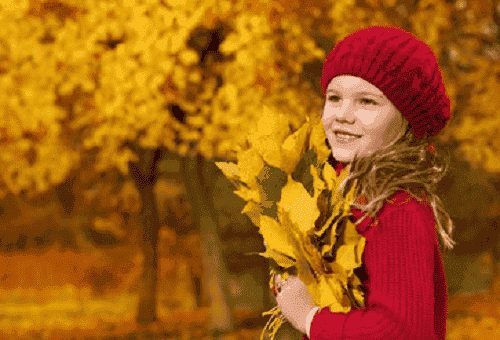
293, 197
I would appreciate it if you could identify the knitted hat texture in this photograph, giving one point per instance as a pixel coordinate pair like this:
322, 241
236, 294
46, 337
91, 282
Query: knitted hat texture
401, 66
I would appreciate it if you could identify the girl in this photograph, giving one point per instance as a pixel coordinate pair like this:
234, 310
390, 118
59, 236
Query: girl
385, 99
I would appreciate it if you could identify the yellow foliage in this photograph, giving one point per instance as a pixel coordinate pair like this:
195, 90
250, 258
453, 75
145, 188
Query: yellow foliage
249, 194
478, 129
476, 16
429, 20
126, 81
131, 59
451, 90
329, 290
113, 224
347, 17
250, 164
298, 204
188, 57
268, 135
317, 141
318, 184
492, 162
149, 66
253, 211
275, 236
288, 238
340, 9
15, 8
349, 256
293, 148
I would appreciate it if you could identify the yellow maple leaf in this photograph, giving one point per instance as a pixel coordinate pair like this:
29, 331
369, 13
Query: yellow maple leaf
230, 170
324, 293
347, 257
248, 194
296, 201
250, 163
268, 134
253, 210
281, 259
317, 142
293, 148
276, 237
308, 261
337, 183
329, 175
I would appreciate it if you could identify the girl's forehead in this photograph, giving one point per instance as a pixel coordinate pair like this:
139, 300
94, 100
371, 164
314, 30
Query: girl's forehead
348, 83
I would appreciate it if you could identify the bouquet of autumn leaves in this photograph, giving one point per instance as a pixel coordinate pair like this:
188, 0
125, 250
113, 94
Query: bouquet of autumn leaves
292, 195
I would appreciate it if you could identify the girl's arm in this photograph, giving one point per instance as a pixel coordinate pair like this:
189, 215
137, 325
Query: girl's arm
399, 260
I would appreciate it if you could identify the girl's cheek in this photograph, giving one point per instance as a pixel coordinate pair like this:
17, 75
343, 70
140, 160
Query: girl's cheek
371, 122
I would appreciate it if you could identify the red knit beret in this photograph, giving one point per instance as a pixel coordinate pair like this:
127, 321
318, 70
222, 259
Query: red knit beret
401, 66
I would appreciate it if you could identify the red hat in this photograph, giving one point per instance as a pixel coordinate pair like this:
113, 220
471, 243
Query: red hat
401, 66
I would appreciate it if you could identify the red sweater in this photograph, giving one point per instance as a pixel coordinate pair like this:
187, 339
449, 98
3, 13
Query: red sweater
406, 294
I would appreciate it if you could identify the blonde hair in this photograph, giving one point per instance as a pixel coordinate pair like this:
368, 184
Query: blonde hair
407, 164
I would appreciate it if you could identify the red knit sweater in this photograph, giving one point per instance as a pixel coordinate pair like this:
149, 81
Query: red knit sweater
406, 294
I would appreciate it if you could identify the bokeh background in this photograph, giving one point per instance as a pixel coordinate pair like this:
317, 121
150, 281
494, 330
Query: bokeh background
115, 222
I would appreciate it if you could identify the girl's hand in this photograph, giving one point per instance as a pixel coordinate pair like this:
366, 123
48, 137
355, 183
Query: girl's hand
294, 301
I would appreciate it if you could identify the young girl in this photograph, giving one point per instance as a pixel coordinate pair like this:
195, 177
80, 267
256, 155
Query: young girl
385, 100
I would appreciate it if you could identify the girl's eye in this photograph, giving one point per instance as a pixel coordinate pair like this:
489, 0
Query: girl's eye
363, 100
368, 101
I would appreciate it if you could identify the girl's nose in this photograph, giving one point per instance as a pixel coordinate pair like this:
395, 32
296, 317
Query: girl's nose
344, 113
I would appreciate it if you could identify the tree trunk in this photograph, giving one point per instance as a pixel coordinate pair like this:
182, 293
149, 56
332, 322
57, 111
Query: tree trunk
144, 173
148, 242
215, 278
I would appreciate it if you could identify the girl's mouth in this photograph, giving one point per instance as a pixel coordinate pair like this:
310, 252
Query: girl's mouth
343, 138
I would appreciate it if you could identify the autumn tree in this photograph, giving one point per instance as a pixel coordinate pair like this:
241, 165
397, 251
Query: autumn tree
135, 87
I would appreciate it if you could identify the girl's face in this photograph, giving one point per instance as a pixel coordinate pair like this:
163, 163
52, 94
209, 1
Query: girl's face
358, 107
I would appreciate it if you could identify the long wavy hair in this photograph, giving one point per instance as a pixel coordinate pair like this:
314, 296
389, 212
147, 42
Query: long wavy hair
409, 165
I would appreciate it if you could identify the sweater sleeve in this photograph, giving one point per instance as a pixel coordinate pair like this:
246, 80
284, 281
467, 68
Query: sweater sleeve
399, 261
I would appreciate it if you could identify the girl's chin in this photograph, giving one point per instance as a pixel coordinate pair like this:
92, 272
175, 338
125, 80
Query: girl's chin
343, 157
